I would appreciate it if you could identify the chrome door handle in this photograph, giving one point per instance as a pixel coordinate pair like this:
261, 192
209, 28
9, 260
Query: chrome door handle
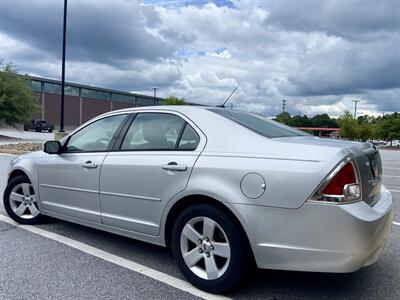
173, 166
89, 165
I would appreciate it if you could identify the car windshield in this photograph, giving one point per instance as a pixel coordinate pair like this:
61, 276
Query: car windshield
259, 124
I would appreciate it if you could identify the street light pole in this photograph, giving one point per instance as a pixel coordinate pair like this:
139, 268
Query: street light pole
355, 107
155, 94
283, 105
63, 68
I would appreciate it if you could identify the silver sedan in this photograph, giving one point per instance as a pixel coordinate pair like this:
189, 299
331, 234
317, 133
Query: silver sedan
224, 189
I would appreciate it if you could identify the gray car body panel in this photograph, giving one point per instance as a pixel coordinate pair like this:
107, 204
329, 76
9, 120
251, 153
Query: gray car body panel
285, 231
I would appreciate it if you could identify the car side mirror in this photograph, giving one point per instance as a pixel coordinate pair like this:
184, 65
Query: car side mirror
52, 147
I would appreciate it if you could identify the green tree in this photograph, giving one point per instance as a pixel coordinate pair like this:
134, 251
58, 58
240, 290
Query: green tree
17, 102
365, 132
284, 118
323, 120
171, 100
390, 127
301, 121
348, 125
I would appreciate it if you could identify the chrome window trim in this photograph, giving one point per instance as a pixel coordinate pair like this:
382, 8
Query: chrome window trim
202, 137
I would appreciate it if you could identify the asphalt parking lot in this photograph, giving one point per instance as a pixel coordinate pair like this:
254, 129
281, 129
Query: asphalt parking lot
60, 260
25, 136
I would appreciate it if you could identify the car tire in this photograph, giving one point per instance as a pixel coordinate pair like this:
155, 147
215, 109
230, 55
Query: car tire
211, 272
20, 202
38, 129
50, 130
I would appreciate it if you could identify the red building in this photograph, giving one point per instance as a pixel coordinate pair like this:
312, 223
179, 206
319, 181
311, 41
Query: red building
82, 102
322, 131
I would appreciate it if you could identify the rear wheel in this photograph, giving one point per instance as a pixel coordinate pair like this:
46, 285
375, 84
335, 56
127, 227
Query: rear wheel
38, 129
210, 249
20, 202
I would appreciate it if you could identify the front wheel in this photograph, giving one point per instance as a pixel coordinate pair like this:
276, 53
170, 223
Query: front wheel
209, 248
20, 202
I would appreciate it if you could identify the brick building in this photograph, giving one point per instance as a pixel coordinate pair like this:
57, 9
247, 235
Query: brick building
82, 102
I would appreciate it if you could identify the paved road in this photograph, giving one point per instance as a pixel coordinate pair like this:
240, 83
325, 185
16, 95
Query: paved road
32, 266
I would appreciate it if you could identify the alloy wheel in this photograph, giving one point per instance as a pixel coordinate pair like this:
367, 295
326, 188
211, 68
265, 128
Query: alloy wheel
205, 248
23, 201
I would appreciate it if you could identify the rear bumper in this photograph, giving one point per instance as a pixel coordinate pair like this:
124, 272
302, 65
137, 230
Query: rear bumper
318, 237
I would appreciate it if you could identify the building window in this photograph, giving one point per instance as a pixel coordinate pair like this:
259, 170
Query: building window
122, 98
71, 91
52, 88
102, 95
48, 88
141, 101
86, 93
57, 89
36, 86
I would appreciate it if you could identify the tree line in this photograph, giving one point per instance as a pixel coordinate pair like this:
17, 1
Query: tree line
365, 127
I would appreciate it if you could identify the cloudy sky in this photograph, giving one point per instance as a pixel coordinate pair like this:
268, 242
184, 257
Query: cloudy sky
318, 55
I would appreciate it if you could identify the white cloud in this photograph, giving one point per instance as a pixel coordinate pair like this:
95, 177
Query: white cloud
309, 53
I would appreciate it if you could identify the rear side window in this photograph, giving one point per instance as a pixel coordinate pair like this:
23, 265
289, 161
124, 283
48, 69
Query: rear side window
259, 124
189, 140
153, 131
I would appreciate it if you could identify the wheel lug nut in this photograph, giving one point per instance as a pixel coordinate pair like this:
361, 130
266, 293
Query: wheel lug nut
208, 254
207, 239
200, 251
199, 241
212, 247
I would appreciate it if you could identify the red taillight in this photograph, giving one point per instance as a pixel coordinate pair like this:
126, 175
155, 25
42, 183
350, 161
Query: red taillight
341, 186
346, 175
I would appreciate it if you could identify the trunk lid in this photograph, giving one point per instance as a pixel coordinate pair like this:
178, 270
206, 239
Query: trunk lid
366, 156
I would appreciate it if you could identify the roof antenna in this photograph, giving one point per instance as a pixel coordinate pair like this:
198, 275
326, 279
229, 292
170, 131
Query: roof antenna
223, 105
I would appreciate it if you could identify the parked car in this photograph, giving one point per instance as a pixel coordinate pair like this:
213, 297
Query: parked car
224, 189
377, 142
395, 143
38, 126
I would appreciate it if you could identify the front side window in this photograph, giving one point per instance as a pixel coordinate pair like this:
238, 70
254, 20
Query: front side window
259, 124
153, 131
96, 136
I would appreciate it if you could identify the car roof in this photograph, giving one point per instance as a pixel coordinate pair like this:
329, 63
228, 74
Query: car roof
178, 108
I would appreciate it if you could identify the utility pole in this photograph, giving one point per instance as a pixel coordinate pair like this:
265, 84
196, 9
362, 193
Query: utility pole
155, 94
283, 105
63, 68
355, 108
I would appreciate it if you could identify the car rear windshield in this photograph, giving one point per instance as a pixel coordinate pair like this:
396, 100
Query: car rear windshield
259, 124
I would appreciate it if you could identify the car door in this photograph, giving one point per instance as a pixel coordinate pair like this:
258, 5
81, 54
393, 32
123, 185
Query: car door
69, 181
153, 163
